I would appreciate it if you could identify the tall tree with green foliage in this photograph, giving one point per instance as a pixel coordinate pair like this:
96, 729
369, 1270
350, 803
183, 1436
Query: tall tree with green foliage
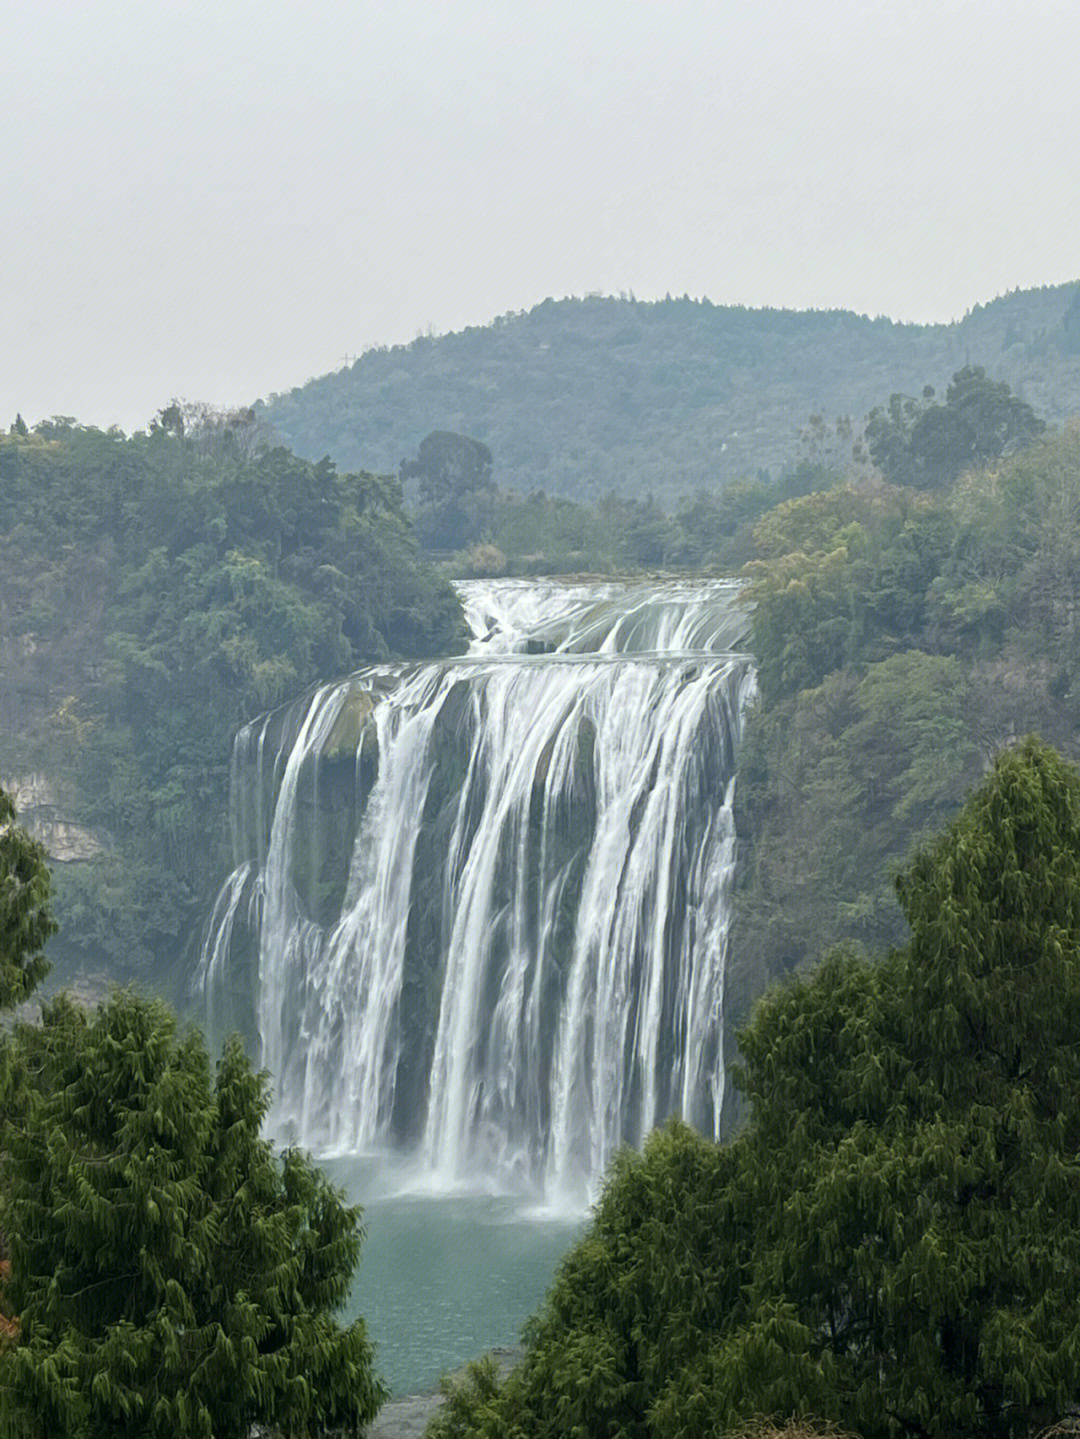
455, 489
927, 445
26, 921
893, 1242
172, 1276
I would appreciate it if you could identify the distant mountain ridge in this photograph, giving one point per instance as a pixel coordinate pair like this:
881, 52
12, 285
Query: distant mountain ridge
582, 396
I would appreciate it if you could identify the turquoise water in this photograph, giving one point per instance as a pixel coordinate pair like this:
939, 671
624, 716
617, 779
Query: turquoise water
444, 1278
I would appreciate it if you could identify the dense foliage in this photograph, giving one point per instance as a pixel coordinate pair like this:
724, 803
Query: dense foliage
172, 1276
893, 1242
926, 445
454, 488
541, 534
585, 397
156, 592
26, 920
902, 638
168, 1274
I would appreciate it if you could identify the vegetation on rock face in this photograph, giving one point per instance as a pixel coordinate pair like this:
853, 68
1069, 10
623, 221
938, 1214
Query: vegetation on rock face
156, 592
836, 785
893, 1241
26, 921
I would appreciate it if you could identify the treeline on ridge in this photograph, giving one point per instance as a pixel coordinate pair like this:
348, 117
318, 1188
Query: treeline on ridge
598, 395
477, 529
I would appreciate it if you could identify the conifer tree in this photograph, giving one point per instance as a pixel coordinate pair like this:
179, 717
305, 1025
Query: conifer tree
918, 1126
26, 920
173, 1277
893, 1242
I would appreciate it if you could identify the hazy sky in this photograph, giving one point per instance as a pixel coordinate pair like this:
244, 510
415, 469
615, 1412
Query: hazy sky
218, 200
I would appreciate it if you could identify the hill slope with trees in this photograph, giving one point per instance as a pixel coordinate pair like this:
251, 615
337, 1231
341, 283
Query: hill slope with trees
156, 592
903, 637
584, 396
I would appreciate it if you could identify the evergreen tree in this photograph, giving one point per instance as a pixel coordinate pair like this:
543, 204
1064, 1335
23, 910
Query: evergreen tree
918, 1124
893, 1243
26, 920
171, 1275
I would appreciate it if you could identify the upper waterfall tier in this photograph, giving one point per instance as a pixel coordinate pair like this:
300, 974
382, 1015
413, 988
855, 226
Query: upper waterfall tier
603, 617
481, 905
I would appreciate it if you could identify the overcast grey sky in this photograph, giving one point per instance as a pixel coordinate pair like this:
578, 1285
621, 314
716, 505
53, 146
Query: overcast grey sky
218, 200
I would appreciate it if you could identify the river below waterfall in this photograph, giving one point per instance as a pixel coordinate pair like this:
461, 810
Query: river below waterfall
444, 1278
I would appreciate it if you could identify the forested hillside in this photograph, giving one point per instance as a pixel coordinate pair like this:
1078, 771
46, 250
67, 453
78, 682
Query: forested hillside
904, 637
583, 396
155, 592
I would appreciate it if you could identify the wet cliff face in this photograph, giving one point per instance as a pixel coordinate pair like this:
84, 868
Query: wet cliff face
480, 908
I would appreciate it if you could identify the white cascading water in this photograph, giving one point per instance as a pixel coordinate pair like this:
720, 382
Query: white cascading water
481, 905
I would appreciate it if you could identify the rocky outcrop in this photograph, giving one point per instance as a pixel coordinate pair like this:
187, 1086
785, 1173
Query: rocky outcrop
41, 809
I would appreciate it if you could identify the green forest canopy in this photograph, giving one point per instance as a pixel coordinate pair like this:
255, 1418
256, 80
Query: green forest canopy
902, 637
157, 591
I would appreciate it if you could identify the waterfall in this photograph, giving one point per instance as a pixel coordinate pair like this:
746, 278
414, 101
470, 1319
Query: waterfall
480, 906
